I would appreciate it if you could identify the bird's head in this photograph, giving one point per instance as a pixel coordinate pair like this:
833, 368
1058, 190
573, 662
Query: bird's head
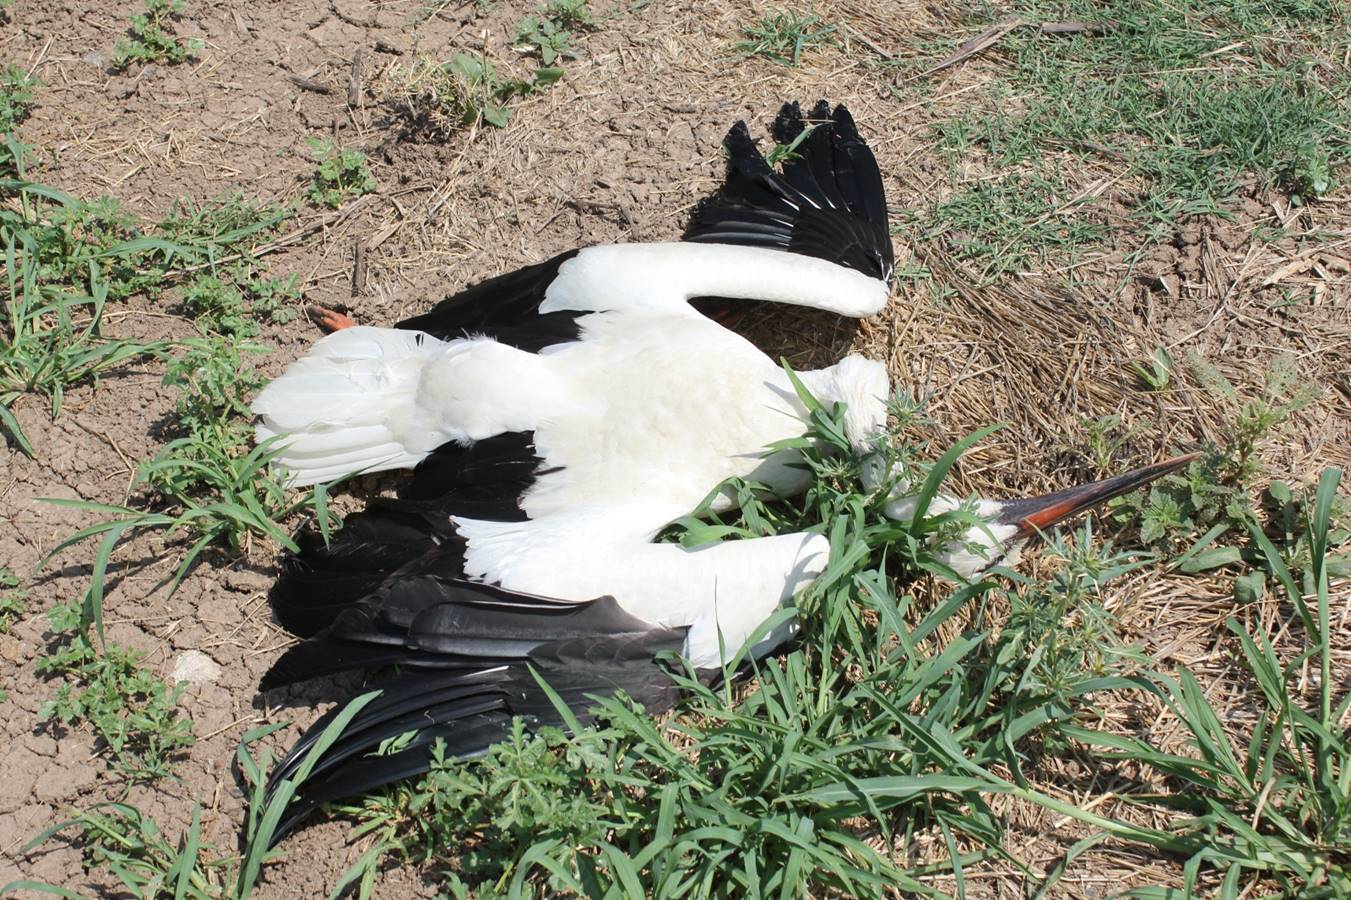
1007, 527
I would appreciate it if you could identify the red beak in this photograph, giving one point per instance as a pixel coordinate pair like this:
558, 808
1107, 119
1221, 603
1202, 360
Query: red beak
1039, 514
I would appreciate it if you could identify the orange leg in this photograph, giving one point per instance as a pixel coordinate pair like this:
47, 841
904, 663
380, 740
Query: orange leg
330, 320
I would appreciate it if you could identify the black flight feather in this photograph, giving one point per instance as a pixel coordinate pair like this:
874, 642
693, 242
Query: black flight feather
465, 713
828, 202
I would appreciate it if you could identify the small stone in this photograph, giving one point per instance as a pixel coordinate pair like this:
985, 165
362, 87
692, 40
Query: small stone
195, 667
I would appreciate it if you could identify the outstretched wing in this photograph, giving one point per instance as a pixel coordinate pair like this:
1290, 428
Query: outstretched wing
470, 650
828, 203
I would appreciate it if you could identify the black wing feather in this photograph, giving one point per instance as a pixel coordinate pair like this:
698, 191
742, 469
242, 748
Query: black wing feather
828, 202
505, 308
467, 712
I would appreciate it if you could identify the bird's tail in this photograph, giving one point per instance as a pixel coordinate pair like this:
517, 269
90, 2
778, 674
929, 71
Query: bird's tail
827, 202
345, 407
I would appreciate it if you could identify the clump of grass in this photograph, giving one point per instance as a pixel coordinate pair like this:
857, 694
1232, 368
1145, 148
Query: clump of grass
230, 305
1059, 625
1012, 223
569, 13
66, 259
132, 711
71, 257
783, 36
1211, 515
122, 840
16, 96
343, 174
151, 38
210, 483
440, 97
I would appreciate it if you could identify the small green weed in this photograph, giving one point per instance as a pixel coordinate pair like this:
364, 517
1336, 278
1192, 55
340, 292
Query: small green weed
1156, 373
16, 96
544, 38
133, 712
465, 90
1060, 627
342, 174
151, 38
1261, 418
13, 601
122, 840
569, 13
1207, 516
1106, 437
226, 305
781, 153
784, 35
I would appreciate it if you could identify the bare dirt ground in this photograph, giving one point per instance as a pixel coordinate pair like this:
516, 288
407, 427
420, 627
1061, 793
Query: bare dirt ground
619, 150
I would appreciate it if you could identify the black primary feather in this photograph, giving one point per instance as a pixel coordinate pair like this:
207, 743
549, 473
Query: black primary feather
828, 202
466, 712
504, 308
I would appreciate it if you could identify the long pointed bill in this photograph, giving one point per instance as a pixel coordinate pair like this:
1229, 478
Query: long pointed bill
1039, 514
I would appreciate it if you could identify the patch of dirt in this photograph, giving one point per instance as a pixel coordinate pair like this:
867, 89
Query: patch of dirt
619, 150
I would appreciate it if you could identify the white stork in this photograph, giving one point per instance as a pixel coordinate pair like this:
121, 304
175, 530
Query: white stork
558, 418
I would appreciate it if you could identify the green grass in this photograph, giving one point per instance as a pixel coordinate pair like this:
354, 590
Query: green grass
16, 96
887, 720
1013, 223
151, 38
784, 35
133, 713
209, 484
1192, 101
64, 259
438, 97
465, 90
121, 840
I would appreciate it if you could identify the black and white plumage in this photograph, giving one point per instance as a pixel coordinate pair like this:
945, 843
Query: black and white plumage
635, 405
558, 418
